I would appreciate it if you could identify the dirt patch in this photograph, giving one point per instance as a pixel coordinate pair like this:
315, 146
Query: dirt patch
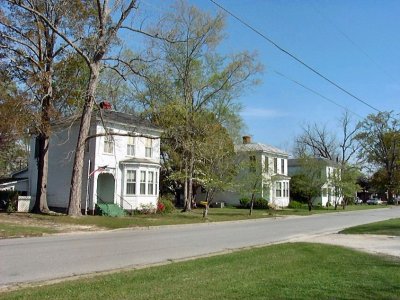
376, 244
26, 219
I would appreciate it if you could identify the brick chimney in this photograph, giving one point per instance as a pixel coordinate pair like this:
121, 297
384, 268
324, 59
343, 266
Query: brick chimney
246, 139
105, 105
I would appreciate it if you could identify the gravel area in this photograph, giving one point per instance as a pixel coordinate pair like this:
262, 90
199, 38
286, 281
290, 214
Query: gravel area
376, 244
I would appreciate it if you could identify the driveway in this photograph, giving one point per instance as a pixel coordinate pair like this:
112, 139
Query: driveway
59, 256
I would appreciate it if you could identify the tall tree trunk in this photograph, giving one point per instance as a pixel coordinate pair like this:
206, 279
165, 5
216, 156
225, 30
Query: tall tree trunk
205, 211
40, 205
309, 202
251, 204
75, 196
190, 183
186, 205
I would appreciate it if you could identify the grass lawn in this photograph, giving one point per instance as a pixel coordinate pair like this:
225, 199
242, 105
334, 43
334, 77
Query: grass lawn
285, 271
55, 223
15, 230
388, 227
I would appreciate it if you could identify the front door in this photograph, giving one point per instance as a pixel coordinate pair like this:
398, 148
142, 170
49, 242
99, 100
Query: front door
105, 188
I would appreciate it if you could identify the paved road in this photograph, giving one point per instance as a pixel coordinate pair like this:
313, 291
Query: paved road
38, 259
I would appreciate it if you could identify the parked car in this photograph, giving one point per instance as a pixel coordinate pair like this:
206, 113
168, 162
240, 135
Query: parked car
358, 201
374, 201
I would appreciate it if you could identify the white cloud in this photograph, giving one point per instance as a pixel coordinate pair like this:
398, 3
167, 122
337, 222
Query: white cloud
262, 113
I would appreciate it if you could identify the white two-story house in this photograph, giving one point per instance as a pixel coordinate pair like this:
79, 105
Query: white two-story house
270, 164
329, 176
121, 167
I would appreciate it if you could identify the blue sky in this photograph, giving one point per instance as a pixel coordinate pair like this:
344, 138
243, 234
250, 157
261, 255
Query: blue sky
354, 43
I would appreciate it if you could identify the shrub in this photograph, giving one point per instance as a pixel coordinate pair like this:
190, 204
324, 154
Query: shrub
260, 203
166, 204
295, 204
9, 201
244, 202
147, 209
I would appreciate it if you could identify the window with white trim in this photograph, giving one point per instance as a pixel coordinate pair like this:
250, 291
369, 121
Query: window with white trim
282, 166
130, 182
278, 190
130, 147
285, 189
275, 165
148, 144
150, 183
142, 182
156, 184
109, 142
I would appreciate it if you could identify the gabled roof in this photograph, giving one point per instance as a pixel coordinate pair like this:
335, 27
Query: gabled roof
124, 118
258, 147
110, 116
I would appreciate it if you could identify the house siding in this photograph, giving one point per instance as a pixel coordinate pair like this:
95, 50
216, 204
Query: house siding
61, 156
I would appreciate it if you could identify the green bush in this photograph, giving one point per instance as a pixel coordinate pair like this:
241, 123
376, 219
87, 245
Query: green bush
9, 201
260, 203
295, 204
167, 203
244, 202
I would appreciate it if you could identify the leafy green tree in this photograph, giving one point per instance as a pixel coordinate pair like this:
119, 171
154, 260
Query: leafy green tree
214, 165
191, 77
307, 182
30, 49
252, 176
16, 118
379, 137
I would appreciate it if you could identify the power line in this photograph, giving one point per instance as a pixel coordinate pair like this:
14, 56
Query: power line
294, 57
351, 41
316, 93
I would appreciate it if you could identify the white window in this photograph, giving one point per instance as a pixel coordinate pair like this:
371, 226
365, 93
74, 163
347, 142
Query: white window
131, 182
130, 148
148, 144
109, 142
142, 182
275, 165
156, 185
282, 166
278, 191
286, 189
150, 183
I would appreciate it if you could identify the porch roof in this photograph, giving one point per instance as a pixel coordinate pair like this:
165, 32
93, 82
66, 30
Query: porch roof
142, 161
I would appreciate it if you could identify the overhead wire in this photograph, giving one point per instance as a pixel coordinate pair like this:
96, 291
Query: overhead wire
294, 57
316, 93
351, 41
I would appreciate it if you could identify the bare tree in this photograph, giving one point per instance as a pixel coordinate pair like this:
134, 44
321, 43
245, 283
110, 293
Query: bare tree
349, 145
316, 141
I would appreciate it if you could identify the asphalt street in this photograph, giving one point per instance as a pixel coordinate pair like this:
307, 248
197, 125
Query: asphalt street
26, 260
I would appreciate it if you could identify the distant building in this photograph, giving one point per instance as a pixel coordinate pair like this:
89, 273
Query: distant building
274, 178
329, 170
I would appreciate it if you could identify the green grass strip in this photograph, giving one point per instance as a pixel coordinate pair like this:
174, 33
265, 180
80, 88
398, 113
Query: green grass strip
285, 271
388, 227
